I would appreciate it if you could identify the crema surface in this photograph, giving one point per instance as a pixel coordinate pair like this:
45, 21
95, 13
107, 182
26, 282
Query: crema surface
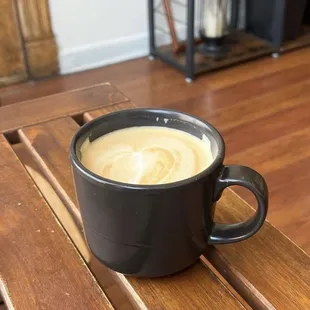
147, 155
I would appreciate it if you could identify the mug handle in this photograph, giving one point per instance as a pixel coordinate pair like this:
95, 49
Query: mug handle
252, 180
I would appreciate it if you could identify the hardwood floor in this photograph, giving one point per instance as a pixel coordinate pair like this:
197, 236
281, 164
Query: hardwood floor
262, 109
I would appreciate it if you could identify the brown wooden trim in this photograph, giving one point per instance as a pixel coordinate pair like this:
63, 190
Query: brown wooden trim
7, 80
39, 40
12, 62
42, 57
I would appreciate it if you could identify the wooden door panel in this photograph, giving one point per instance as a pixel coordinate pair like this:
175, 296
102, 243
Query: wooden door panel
39, 41
12, 65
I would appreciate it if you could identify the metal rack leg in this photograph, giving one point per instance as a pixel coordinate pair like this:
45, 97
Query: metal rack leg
279, 25
190, 44
151, 27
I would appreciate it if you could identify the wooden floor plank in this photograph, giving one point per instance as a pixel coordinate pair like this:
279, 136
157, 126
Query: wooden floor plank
290, 212
268, 127
276, 153
259, 68
39, 266
147, 292
132, 76
270, 104
249, 268
23, 114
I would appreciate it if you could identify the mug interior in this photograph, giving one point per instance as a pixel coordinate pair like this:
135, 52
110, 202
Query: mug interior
149, 117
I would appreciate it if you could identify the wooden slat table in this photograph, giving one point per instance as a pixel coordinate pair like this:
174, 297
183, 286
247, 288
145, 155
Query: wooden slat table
45, 262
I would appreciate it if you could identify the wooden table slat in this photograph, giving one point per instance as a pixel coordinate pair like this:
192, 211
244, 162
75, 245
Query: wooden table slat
51, 107
39, 266
196, 288
88, 116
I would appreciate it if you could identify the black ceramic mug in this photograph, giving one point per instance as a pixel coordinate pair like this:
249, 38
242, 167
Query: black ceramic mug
157, 230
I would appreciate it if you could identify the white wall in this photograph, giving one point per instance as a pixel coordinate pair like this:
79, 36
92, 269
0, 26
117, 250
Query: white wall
93, 33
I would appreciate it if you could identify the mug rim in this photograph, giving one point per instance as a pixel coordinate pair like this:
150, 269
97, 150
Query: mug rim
218, 160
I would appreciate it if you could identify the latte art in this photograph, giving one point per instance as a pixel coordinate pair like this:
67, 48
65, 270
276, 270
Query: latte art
146, 155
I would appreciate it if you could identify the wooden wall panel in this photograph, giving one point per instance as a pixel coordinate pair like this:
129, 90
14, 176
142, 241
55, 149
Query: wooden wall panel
39, 40
12, 64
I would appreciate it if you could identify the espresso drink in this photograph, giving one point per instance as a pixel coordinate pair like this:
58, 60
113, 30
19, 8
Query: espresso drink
147, 155
154, 230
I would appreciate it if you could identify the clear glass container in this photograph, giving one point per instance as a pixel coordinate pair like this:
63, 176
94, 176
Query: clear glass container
215, 16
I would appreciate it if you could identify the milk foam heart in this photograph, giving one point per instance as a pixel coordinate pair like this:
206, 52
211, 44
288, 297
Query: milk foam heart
147, 155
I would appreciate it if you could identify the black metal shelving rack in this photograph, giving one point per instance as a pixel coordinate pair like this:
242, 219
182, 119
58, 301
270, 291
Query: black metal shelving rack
186, 62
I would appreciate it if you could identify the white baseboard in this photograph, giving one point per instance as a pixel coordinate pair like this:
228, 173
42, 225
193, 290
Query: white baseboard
102, 53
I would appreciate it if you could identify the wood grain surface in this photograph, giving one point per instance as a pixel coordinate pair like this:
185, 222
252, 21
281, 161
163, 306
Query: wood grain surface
39, 266
70, 103
258, 269
251, 104
88, 116
50, 140
48, 143
104, 276
195, 288
42, 57
12, 64
257, 292
38, 38
47, 154
269, 271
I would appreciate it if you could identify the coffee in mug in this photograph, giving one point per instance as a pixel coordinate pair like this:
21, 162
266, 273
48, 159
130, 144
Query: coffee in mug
156, 219
147, 155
